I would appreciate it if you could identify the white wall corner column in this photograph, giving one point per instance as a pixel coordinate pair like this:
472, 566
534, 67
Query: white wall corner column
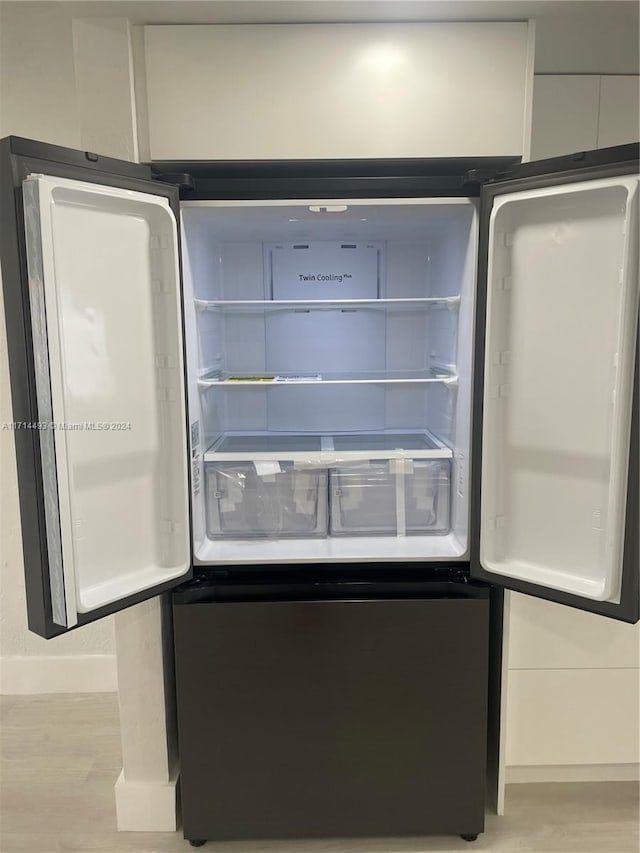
528, 92
146, 788
139, 69
145, 793
103, 61
38, 100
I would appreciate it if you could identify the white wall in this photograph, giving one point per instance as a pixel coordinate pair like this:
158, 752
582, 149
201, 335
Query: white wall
38, 99
37, 83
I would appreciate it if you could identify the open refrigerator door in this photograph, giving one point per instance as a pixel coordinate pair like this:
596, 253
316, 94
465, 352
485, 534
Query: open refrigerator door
559, 456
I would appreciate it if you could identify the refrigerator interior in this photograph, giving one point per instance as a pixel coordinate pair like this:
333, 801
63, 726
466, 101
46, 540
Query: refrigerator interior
329, 349
557, 409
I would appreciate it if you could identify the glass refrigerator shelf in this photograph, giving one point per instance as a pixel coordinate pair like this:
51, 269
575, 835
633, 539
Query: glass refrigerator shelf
220, 378
328, 449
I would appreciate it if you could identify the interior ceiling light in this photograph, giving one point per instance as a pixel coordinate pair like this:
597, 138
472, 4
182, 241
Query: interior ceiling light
328, 208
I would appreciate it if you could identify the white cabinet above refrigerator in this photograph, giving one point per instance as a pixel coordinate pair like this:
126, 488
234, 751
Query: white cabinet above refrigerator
339, 91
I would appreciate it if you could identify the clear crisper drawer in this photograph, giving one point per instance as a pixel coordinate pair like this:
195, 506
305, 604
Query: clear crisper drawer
391, 497
273, 499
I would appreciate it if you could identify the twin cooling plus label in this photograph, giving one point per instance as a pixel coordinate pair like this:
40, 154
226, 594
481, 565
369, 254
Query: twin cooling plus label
325, 270
340, 277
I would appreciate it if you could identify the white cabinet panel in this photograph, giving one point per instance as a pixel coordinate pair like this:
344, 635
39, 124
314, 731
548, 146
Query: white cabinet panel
619, 119
565, 114
575, 716
546, 635
580, 112
337, 90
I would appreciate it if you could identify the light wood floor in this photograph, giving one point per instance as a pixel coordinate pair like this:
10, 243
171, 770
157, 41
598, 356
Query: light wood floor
61, 757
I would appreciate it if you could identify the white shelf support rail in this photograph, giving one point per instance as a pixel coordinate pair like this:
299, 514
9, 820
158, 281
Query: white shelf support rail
202, 305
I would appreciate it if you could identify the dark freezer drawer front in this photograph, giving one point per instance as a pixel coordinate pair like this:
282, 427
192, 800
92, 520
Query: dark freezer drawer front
332, 718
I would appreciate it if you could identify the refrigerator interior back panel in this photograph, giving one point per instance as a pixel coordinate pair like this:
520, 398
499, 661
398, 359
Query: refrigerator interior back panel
351, 326
554, 466
307, 341
113, 384
346, 408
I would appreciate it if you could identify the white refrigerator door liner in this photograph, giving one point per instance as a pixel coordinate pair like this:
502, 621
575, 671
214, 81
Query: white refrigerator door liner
105, 297
562, 314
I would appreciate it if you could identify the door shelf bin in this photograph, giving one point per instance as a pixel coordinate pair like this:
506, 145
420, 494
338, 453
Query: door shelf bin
391, 497
268, 499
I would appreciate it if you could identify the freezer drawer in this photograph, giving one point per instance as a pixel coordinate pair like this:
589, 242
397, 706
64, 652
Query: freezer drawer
391, 497
272, 499
332, 718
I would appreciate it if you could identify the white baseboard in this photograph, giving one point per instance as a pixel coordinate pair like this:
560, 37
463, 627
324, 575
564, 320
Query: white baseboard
574, 773
25, 674
146, 806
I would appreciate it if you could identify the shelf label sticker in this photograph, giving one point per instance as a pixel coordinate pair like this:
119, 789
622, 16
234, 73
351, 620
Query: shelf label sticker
267, 468
302, 377
314, 377
251, 379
